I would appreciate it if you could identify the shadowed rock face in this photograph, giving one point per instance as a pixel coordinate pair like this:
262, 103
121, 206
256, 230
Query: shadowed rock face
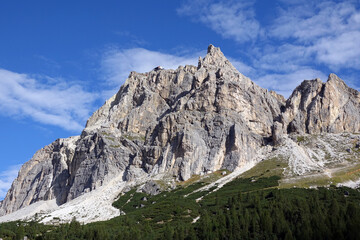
181, 122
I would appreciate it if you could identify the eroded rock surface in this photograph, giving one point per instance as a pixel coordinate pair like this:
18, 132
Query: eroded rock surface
192, 120
316, 107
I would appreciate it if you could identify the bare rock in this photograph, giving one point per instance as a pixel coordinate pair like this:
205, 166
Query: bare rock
316, 107
192, 120
278, 133
151, 188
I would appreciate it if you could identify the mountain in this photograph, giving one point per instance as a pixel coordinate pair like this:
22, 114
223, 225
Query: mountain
316, 107
166, 126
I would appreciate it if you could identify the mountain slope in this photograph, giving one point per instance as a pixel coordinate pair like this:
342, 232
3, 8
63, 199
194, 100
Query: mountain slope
173, 124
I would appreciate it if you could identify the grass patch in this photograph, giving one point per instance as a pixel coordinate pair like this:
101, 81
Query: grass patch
192, 180
114, 146
123, 199
266, 168
239, 185
134, 137
172, 206
110, 138
301, 139
346, 174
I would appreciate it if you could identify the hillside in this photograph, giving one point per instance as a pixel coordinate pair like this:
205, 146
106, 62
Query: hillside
167, 127
243, 208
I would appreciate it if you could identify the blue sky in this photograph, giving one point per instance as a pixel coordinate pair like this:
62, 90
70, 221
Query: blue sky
60, 60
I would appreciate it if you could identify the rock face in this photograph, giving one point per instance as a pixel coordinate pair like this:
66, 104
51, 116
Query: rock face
43, 177
316, 107
192, 120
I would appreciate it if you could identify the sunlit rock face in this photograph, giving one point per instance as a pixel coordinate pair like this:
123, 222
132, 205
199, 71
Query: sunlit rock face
192, 120
317, 107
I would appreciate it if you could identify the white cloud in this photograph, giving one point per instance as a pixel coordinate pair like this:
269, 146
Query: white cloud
55, 102
241, 66
339, 51
303, 38
118, 63
328, 30
308, 21
287, 57
231, 19
6, 179
45, 100
285, 83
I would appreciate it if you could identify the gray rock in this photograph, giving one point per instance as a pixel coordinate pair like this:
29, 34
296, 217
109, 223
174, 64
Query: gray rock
151, 188
192, 120
316, 107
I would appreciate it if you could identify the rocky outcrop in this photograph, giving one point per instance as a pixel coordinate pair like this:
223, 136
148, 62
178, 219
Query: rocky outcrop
44, 177
316, 107
192, 120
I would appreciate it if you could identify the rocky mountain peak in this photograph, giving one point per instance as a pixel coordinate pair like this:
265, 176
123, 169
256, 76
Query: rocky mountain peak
336, 84
215, 60
333, 77
177, 123
316, 107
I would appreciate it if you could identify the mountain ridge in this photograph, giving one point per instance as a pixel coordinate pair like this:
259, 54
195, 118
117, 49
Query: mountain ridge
178, 123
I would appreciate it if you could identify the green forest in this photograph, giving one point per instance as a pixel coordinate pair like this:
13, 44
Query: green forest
242, 209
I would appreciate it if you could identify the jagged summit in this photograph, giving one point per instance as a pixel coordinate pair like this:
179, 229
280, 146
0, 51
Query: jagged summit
316, 107
334, 77
214, 59
177, 123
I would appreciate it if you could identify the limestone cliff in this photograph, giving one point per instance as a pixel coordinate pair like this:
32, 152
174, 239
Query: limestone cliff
192, 120
316, 107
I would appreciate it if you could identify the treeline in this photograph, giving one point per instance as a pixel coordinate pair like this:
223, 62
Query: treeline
229, 213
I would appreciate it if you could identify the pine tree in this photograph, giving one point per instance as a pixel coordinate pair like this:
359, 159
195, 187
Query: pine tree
168, 232
288, 235
20, 232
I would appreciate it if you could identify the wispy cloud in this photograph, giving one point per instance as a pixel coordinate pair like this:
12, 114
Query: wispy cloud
242, 67
313, 19
231, 19
329, 30
283, 58
6, 179
131, 38
285, 82
45, 100
340, 51
118, 63
301, 40
56, 102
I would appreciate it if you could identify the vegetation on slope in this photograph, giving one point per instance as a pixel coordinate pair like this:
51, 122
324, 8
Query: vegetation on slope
243, 209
